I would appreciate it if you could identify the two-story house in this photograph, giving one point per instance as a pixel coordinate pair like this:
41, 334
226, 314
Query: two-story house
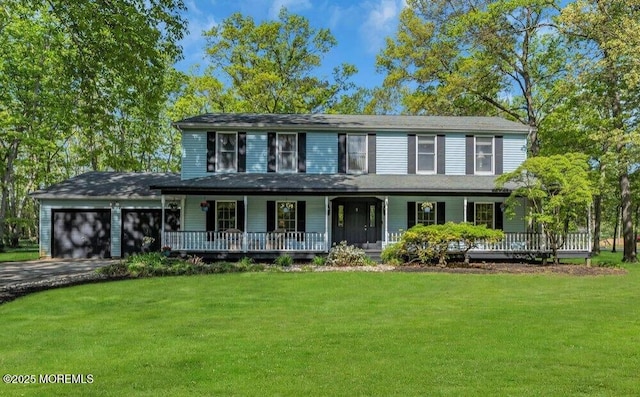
254, 184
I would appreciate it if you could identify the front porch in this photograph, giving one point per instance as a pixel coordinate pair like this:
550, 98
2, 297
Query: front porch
513, 245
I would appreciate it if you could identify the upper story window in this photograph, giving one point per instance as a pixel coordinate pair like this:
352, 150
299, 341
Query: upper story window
484, 214
356, 154
484, 155
286, 215
287, 153
426, 153
226, 215
227, 149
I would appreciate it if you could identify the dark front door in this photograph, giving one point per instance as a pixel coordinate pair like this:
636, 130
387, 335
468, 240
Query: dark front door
356, 220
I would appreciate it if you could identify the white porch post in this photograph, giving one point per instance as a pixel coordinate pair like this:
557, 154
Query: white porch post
245, 241
464, 210
162, 238
386, 220
326, 224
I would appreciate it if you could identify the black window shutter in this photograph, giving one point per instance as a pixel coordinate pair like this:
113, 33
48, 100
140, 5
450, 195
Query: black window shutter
271, 216
272, 142
440, 212
440, 155
301, 214
302, 152
411, 169
411, 214
471, 217
498, 215
211, 151
240, 215
499, 155
371, 149
211, 216
470, 155
242, 152
342, 153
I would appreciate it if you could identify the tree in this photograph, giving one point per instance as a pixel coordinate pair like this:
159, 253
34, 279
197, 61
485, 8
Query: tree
477, 57
607, 59
557, 190
269, 67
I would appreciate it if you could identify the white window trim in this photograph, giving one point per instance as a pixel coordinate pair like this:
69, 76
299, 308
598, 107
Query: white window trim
493, 212
295, 220
295, 160
493, 155
435, 155
366, 154
434, 210
218, 169
235, 209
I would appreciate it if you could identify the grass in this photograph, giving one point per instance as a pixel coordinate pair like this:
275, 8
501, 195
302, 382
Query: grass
26, 252
339, 334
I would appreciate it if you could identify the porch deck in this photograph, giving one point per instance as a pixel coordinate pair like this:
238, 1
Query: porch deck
513, 245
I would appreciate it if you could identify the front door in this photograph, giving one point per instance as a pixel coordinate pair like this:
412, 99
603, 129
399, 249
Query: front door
356, 220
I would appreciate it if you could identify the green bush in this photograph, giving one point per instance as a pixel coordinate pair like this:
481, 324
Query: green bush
436, 243
391, 255
347, 255
319, 260
284, 260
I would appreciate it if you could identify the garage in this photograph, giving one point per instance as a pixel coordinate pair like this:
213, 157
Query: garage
140, 223
80, 233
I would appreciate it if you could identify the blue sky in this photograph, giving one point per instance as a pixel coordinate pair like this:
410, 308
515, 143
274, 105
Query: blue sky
359, 26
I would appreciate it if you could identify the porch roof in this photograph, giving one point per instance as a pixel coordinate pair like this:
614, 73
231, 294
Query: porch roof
332, 184
351, 122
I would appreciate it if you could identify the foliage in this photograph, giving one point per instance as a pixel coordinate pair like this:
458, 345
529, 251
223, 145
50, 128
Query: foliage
436, 243
391, 255
558, 192
347, 255
269, 67
319, 260
284, 260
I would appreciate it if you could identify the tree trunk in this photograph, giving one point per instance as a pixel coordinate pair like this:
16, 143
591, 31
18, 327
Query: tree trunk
615, 229
597, 224
6, 185
629, 254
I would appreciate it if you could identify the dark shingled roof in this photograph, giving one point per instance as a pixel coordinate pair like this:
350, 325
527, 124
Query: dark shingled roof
116, 185
341, 122
332, 184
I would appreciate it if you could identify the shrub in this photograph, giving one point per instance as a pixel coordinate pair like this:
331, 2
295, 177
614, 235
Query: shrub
284, 260
347, 255
319, 260
391, 255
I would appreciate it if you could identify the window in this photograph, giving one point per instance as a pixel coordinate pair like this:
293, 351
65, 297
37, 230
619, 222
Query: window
425, 213
225, 215
484, 155
287, 153
286, 215
356, 154
341, 215
426, 154
226, 152
484, 214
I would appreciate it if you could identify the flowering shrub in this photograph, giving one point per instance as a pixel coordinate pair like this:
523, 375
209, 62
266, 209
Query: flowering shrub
347, 255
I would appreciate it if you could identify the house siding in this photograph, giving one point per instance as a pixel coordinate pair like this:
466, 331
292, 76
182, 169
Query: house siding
194, 154
256, 152
455, 154
393, 153
322, 153
514, 151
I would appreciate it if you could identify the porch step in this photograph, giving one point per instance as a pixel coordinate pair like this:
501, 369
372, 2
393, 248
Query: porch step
374, 254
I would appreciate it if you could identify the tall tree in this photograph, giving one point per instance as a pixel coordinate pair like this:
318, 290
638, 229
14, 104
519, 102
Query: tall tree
270, 67
607, 58
477, 57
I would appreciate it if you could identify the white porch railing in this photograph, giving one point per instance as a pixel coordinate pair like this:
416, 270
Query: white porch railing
245, 242
521, 242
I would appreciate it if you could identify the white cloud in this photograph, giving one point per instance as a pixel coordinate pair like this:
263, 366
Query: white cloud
293, 6
381, 21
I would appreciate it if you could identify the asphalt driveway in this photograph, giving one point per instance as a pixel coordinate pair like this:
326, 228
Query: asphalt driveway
44, 269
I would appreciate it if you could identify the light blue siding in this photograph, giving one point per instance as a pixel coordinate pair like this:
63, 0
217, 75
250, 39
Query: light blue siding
194, 154
514, 151
517, 223
391, 153
116, 231
322, 153
455, 154
257, 152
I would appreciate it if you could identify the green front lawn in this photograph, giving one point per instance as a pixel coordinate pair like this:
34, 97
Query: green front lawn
337, 334
24, 253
